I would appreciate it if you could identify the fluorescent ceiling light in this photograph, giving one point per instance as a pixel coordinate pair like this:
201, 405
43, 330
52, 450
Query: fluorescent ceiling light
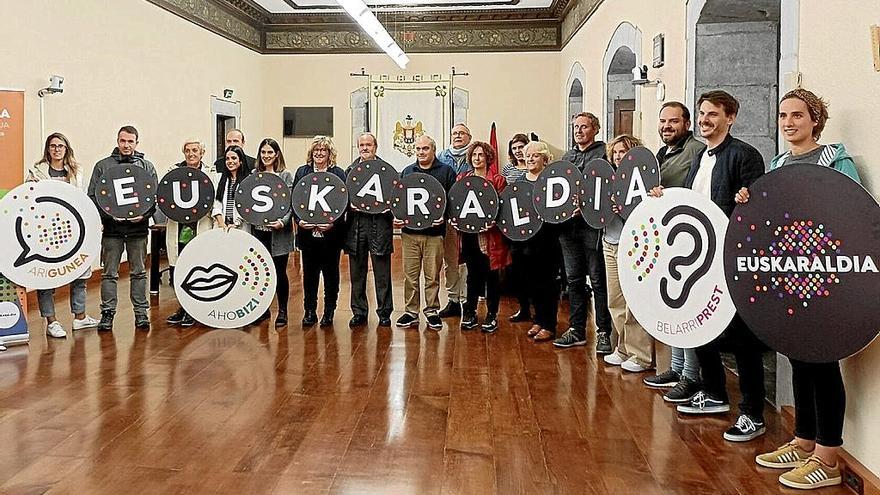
362, 14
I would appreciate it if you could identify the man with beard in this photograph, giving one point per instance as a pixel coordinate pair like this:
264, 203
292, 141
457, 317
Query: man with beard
675, 160
234, 138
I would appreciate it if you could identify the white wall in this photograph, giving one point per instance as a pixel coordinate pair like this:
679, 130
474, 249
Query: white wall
134, 64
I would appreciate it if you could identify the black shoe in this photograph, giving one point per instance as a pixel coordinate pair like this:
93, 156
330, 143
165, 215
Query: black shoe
683, 391
142, 322
106, 322
177, 317
408, 320
520, 316
603, 343
310, 318
359, 321
667, 379
384, 321
746, 428
490, 324
452, 309
434, 322
187, 320
327, 319
469, 322
281, 319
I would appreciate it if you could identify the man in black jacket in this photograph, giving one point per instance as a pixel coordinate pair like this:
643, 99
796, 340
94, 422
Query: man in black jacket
582, 252
129, 235
234, 138
725, 166
423, 249
369, 236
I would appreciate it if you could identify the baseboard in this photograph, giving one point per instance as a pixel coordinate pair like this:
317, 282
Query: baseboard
870, 481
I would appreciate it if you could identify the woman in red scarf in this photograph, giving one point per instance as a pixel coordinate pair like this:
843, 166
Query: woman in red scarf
485, 253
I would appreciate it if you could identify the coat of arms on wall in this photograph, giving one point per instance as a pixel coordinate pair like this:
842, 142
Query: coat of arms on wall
405, 135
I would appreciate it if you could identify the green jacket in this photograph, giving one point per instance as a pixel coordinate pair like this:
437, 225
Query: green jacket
834, 156
674, 166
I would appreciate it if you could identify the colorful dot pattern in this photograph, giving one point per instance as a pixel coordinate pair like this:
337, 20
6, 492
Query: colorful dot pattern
796, 238
106, 199
646, 248
255, 272
486, 195
165, 197
360, 175
10, 292
436, 203
566, 211
525, 209
53, 233
336, 198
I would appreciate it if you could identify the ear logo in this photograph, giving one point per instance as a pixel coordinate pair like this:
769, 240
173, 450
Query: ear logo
695, 255
671, 268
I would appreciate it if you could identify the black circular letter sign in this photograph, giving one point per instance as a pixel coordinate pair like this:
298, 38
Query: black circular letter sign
555, 192
185, 194
637, 174
125, 191
595, 193
473, 204
517, 218
319, 198
261, 198
418, 201
370, 185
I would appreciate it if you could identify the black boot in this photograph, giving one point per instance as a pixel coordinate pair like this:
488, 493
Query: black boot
309, 318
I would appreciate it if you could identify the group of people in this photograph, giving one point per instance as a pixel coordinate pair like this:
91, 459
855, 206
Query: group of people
473, 264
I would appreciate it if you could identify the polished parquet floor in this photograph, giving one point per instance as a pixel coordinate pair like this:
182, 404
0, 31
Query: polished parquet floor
383, 411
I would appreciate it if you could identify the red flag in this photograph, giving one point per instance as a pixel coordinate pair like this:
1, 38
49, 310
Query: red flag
493, 142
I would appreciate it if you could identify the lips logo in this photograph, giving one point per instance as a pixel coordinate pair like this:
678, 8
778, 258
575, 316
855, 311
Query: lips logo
209, 284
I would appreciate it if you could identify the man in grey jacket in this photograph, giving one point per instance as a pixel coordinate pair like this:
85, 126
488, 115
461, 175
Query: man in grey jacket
129, 235
582, 252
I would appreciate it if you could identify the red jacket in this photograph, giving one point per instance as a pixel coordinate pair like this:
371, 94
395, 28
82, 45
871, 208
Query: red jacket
499, 253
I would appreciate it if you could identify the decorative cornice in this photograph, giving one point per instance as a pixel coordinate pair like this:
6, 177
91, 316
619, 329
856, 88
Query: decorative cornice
247, 23
418, 40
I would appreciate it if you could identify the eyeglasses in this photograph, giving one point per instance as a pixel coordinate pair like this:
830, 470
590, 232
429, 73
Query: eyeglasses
57, 147
460, 133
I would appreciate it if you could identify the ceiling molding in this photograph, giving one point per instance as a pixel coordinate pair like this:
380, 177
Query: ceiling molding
483, 30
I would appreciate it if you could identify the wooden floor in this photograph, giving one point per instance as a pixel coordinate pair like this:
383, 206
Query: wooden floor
338, 411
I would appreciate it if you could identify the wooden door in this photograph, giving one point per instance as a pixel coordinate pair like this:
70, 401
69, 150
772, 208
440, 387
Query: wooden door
623, 116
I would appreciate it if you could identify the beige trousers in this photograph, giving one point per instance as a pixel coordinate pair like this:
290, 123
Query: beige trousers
632, 340
454, 270
422, 255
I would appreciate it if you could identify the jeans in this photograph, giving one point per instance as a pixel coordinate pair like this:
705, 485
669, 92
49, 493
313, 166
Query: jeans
315, 262
582, 260
685, 363
422, 255
748, 351
46, 299
481, 279
136, 250
819, 402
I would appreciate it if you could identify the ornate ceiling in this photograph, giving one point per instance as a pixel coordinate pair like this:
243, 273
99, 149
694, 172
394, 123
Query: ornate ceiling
318, 26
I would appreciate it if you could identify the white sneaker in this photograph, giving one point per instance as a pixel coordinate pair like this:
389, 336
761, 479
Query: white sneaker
633, 366
614, 359
87, 322
55, 329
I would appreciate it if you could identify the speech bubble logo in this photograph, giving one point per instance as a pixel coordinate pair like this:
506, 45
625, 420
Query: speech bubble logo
56, 235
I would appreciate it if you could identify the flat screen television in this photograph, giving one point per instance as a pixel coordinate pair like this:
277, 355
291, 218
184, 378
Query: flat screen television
307, 122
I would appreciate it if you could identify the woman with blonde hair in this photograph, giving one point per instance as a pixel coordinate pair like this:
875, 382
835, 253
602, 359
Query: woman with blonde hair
320, 244
635, 347
540, 255
59, 163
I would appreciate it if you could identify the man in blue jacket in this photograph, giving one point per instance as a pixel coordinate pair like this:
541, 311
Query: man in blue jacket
726, 165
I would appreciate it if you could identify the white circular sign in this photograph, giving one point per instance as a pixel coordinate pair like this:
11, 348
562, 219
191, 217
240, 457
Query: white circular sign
225, 279
671, 268
9, 314
53, 231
